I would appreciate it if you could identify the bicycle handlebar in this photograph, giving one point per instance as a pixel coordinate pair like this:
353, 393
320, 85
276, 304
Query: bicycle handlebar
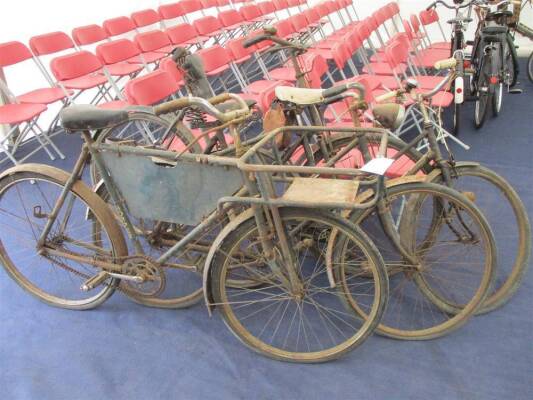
270, 34
207, 105
435, 3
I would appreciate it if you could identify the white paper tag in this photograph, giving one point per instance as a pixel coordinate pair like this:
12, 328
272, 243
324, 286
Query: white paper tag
378, 166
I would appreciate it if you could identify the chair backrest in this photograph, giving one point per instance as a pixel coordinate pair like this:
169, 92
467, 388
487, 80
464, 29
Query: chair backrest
317, 66
181, 33
415, 23
118, 26
428, 17
151, 88
340, 54
223, 3
237, 50
396, 53
299, 22
89, 34
169, 65
190, 6
312, 15
293, 3
152, 40
250, 12
214, 57
280, 4
267, 7
145, 18
117, 51
230, 17
407, 29
75, 65
207, 25
171, 11
50, 43
13, 53
206, 4
284, 28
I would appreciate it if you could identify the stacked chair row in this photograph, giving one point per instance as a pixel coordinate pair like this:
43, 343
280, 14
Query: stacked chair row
114, 60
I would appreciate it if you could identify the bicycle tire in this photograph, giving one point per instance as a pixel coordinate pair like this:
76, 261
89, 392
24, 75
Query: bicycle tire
310, 354
98, 210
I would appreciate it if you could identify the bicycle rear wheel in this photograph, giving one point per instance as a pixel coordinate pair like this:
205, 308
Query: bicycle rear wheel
26, 201
483, 93
314, 324
455, 258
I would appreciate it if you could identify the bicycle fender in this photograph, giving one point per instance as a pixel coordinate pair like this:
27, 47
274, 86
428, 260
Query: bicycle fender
80, 187
208, 298
460, 164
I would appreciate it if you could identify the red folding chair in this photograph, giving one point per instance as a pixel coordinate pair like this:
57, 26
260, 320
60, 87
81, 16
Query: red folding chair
146, 19
233, 21
212, 28
185, 35
120, 26
154, 41
22, 112
82, 72
252, 13
190, 7
430, 17
171, 14
89, 35
151, 88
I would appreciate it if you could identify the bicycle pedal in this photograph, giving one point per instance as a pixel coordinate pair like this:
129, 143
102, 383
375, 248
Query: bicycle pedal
515, 91
94, 281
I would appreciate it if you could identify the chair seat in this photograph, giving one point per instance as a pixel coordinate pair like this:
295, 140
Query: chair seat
85, 82
149, 57
428, 58
197, 40
326, 53
165, 49
123, 69
261, 86
442, 99
441, 45
17, 113
283, 74
218, 70
43, 96
382, 68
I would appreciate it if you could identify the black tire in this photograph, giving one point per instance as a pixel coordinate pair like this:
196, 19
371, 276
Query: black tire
530, 67
61, 286
484, 95
241, 247
508, 206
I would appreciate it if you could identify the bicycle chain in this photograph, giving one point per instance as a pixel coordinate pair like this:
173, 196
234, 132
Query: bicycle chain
120, 288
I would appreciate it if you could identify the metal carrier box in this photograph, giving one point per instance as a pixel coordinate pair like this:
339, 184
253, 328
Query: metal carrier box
182, 192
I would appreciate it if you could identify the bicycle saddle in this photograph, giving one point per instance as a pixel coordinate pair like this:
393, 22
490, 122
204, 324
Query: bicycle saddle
88, 117
301, 96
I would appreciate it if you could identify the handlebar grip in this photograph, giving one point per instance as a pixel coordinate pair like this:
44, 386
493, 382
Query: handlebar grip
254, 40
446, 64
335, 90
386, 96
171, 106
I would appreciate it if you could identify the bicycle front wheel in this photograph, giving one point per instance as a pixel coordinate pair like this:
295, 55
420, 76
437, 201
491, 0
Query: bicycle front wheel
26, 202
454, 260
312, 324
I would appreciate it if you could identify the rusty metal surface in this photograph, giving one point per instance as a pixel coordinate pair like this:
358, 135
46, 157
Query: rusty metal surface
180, 192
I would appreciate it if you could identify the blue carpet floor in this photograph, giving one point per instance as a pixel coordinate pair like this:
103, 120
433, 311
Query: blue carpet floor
124, 351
